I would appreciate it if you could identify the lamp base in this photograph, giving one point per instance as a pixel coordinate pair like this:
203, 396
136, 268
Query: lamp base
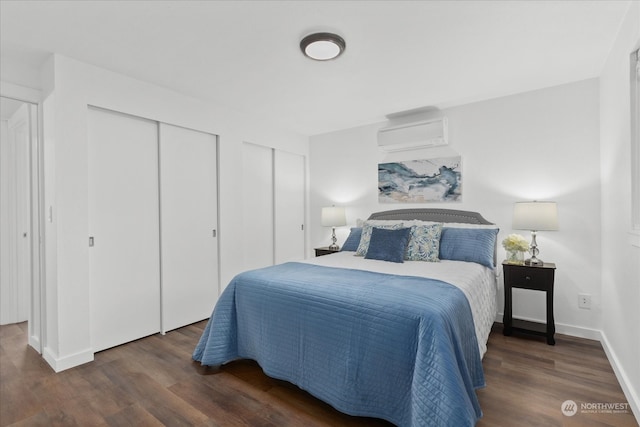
533, 249
333, 246
534, 262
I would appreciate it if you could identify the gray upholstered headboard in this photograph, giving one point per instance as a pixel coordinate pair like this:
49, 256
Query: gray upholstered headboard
436, 215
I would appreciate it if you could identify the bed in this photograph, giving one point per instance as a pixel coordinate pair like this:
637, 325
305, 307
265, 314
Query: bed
369, 333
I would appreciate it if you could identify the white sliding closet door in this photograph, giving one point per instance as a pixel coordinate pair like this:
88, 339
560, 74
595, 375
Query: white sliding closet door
124, 225
258, 206
189, 217
289, 184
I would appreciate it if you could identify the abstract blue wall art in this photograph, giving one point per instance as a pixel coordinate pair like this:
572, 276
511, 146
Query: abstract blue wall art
420, 181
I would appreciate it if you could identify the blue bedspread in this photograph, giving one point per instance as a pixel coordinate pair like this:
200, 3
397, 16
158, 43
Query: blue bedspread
394, 347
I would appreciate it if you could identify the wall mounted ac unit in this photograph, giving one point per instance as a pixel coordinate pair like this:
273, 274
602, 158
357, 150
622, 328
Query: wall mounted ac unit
415, 135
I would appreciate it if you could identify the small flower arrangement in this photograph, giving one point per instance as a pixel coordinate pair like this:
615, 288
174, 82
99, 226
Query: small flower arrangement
515, 243
515, 246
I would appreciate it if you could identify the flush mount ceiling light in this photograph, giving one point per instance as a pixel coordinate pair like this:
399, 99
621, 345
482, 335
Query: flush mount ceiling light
322, 46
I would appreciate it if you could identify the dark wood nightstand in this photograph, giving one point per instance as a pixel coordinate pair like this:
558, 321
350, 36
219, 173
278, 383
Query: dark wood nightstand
325, 251
527, 277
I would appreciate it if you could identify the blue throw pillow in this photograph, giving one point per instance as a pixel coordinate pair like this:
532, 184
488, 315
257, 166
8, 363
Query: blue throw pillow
352, 242
388, 245
366, 235
468, 244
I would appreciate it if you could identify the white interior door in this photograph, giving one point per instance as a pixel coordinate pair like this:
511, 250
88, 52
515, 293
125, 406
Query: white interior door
289, 184
15, 252
257, 195
36, 242
189, 217
8, 289
124, 225
21, 130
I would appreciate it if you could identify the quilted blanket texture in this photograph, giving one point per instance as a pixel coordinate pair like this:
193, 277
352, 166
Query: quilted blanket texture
400, 348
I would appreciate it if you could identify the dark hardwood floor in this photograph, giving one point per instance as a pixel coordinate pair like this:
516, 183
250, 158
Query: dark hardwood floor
153, 382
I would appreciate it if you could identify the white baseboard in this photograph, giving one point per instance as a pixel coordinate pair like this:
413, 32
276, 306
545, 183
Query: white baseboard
34, 342
60, 364
561, 328
623, 379
578, 331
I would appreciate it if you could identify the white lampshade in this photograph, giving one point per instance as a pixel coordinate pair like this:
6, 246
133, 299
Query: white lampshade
333, 217
536, 216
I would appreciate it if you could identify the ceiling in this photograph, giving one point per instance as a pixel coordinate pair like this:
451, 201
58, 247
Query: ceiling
400, 55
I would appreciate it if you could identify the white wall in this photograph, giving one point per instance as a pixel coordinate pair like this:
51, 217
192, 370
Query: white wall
68, 87
540, 145
620, 246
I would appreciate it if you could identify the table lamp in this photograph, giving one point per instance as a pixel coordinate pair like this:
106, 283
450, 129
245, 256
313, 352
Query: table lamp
535, 216
333, 217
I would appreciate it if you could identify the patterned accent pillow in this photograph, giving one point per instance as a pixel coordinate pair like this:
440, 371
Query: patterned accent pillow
425, 243
366, 235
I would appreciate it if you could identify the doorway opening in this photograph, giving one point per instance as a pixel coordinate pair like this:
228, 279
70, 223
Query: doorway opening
20, 218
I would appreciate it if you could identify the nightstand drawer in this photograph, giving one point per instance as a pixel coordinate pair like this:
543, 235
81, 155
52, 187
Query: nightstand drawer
529, 278
325, 251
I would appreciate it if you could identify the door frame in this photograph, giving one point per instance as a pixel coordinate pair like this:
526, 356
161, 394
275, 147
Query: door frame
36, 320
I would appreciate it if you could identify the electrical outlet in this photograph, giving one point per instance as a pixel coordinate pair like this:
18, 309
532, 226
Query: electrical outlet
584, 301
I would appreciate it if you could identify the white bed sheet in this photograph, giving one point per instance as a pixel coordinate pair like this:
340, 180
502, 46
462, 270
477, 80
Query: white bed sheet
477, 282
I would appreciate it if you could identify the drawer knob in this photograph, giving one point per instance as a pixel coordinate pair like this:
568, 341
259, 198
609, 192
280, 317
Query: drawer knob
527, 277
